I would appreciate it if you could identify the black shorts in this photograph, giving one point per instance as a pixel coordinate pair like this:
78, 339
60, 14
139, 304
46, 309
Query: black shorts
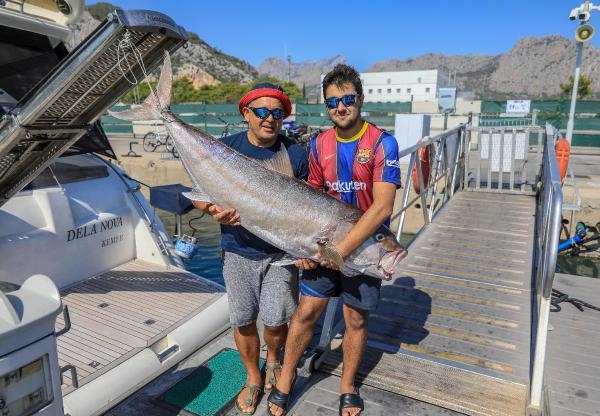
361, 292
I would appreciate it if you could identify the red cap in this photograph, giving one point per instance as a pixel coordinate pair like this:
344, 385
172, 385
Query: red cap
267, 90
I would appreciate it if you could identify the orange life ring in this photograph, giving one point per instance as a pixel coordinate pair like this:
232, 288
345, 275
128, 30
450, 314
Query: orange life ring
425, 167
563, 151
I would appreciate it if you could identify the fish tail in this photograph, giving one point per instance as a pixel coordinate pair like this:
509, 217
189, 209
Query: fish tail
158, 101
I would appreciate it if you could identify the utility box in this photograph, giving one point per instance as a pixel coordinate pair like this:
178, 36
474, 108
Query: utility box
409, 128
29, 372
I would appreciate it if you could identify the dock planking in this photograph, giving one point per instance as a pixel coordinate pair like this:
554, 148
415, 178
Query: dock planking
458, 316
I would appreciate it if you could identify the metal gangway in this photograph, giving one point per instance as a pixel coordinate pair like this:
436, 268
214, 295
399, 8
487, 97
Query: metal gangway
464, 326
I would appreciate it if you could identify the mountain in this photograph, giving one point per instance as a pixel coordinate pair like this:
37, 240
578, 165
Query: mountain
533, 68
200, 62
306, 73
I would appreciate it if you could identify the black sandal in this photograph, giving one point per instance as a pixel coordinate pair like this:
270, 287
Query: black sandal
351, 400
279, 398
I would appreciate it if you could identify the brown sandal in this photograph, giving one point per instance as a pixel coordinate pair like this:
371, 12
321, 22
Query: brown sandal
270, 375
251, 400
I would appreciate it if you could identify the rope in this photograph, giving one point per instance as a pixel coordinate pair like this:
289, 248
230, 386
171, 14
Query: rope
194, 229
126, 47
559, 297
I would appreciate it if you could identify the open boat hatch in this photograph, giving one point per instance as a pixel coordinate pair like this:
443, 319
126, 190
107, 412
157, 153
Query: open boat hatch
65, 104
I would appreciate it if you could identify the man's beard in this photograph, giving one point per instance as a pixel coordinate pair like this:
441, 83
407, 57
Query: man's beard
346, 123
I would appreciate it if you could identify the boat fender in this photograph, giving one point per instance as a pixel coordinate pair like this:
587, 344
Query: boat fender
424, 160
563, 151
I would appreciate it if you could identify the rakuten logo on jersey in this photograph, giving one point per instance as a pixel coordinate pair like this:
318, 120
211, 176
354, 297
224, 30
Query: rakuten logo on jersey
392, 163
339, 186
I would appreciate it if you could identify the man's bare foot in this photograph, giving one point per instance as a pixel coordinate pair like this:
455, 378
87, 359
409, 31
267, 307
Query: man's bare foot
247, 398
349, 397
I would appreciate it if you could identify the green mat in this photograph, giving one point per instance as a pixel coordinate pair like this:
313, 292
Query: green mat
211, 387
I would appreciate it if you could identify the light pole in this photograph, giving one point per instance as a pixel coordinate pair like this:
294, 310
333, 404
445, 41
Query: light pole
583, 34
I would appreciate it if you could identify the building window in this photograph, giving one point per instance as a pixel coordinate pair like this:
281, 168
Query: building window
398, 90
389, 90
389, 80
370, 90
379, 90
427, 90
408, 90
419, 80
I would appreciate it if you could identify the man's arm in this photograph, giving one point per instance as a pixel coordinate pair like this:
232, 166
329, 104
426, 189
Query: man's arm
383, 204
223, 216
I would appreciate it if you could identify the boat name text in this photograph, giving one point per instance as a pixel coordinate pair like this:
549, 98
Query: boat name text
95, 228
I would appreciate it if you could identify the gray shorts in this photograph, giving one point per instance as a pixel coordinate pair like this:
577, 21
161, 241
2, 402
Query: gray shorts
254, 285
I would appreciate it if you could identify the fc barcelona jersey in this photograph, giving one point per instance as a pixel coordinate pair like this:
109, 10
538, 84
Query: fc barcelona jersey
347, 168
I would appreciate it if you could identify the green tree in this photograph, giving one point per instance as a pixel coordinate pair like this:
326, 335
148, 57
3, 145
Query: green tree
583, 89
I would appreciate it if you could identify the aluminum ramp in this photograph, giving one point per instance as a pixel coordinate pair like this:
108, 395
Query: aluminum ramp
454, 329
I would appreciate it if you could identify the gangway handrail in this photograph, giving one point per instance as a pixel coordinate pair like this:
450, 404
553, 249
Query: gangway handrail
427, 194
548, 226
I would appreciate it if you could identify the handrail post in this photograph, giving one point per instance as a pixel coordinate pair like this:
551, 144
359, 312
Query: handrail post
423, 193
405, 195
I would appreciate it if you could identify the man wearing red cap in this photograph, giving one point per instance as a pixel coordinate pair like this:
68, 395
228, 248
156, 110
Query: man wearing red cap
252, 283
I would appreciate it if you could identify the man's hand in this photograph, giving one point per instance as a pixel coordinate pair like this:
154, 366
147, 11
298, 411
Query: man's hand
224, 216
306, 264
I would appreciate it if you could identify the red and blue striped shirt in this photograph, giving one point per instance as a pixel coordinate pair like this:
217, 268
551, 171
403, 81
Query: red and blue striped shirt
347, 168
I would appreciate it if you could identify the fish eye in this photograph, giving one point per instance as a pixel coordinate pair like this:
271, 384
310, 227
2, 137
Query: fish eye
379, 237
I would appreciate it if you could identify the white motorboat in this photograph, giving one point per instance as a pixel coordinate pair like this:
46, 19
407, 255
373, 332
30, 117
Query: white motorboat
77, 237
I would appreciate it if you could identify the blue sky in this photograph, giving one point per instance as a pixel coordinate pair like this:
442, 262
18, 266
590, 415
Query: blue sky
366, 31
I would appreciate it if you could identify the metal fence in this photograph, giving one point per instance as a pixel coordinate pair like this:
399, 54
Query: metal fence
504, 159
548, 227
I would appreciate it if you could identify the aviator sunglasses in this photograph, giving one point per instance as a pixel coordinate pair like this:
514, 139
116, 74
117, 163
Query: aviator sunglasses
263, 112
347, 100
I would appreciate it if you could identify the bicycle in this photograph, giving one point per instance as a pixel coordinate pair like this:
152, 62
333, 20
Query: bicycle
231, 128
153, 140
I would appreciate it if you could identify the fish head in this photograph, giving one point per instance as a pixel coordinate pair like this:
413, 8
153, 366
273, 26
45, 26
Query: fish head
382, 254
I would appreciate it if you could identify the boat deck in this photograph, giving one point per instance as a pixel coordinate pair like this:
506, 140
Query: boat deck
120, 312
458, 319
573, 358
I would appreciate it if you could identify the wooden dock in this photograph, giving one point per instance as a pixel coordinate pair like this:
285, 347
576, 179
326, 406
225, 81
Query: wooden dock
573, 360
458, 319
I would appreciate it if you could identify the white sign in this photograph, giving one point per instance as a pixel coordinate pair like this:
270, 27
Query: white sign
518, 106
447, 100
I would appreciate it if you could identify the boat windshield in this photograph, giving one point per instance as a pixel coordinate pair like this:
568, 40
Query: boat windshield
69, 169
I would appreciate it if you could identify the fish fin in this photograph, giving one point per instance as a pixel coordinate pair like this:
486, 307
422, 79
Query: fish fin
197, 194
330, 252
280, 162
158, 100
287, 260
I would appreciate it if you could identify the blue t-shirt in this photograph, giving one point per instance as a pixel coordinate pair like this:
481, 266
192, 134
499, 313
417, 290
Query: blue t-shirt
237, 239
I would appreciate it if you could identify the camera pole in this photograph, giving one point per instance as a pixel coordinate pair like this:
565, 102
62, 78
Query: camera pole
570, 123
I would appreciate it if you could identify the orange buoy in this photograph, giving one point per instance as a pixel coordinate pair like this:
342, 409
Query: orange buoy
424, 161
563, 151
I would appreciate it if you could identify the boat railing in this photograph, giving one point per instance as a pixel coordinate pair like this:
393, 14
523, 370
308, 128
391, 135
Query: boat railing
548, 227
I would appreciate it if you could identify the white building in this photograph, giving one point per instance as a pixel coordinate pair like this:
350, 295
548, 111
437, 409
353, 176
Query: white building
398, 86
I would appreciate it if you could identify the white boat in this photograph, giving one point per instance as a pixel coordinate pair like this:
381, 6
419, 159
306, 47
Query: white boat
77, 237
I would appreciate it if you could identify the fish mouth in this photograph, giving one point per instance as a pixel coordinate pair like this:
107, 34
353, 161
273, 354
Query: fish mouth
389, 261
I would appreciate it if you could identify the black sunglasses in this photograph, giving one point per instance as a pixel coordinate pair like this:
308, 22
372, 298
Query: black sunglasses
347, 100
263, 112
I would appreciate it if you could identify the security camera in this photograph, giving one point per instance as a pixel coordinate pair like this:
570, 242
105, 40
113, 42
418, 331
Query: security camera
584, 16
574, 13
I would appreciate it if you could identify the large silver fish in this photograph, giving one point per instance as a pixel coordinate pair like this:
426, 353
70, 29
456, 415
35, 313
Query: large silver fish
274, 206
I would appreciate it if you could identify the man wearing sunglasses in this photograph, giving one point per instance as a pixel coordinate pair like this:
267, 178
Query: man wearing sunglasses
357, 163
253, 284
